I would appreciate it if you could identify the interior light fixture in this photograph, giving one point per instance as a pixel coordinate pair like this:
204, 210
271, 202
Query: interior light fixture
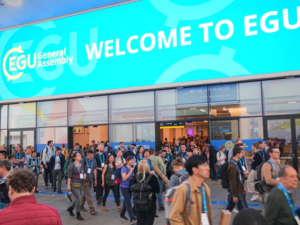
205, 121
192, 108
293, 102
202, 110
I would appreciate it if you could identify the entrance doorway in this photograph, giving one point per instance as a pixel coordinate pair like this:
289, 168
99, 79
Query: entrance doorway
286, 130
22, 137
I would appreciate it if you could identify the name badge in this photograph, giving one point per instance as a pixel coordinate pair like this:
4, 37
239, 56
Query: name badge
297, 220
81, 176
112, 176
102, 165
244, 168
89, 170
204, 219
240, 177
109, 154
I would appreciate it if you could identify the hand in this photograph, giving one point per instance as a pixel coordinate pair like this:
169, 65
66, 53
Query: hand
245, 191
95, 183
69, 188
235, 200
84, 176
131, 169
152, 172
46, 166
102, 184
246, 172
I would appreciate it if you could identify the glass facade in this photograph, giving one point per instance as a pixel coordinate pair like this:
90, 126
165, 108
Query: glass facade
3, 116
22, 115
59, 135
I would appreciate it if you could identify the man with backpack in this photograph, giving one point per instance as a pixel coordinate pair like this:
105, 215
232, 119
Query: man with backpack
180, 174
48, 152
192, 196
211, 159
90, 170
56, 164
230, 152
34, 165
236, 187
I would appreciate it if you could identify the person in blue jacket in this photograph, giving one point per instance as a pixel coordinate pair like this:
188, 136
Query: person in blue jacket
34, 164
57, 162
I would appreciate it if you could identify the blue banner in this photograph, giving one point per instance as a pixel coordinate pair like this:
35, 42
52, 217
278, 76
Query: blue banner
41, 147
223, 93
230, 143
150, 42
189, 96
146, 145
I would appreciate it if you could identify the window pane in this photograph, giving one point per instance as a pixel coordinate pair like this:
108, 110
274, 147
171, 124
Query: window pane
251, 129
281, 96
84, 111
3, 139
145, 132
3, 119
178, 104
59, 135
52, 113
122, 132
224, 130
228, 100
22, 115
132, 107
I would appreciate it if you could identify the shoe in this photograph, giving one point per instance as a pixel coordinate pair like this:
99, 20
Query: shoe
216, 182
82, 209
119, 208
43, 183
46, 187
68, 197
99, 201
54, 190
254, 198
104, 208
161, 208
70, 210
156, 216
59, 192
51, 184
123, 218
36, 191
93, 212
78, 217
133, 221
259, 199
235, 211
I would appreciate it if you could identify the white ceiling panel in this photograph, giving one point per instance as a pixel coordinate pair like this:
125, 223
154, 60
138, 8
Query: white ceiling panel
76, 5
16, 15
54, 7
34, 10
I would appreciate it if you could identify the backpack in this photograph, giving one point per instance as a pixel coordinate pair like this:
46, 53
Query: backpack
169, 200
182, 177
213, 153
224, 175
118, 173
142, 193
66, 166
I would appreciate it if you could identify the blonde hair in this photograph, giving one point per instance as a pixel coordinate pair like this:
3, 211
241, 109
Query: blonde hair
143, 168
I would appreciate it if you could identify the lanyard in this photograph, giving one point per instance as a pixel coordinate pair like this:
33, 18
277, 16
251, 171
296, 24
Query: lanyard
184, 155
263, 152
242, 162
149, 163
50, 151
111, 169
79, 171
56, 158
168, 157
274, 167
280, 186
238, 169
140, 157
87, 164
101, 157
18, 155
204, 200
118, 160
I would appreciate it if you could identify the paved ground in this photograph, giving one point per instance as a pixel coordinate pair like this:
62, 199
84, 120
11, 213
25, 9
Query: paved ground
111, 217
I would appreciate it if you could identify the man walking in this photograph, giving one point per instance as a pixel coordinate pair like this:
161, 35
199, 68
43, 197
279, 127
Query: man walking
177, 147
90, 172
280, 208
34, 165
182, 154
266, 145
180, 213
236, 186
48, 152
100, 160
57, 162
19, 156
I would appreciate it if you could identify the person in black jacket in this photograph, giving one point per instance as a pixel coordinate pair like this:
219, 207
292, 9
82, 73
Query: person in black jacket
5, 167
56, 163
100, 159
147, 217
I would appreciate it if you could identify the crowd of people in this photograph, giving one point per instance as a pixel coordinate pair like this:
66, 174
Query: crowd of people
144, 176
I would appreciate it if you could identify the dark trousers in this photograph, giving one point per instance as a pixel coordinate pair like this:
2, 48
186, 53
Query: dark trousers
169, 174
240, 205
127, 203
118, 191
37, 178
99, 189
212, 169
147, 217
46, 172
114, 190
57, 173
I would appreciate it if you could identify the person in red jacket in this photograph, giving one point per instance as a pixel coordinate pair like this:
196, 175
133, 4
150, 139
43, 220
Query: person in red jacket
21, 186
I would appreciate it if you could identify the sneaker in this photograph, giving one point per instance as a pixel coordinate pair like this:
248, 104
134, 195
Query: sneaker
36, 191
235, 211
104, 208
82, 209
93, 212
161, 208
259, 199
133, 221
68, 197
43, 183
99, 201
254, 198
59, 192
119, 208
123, 218
216, 182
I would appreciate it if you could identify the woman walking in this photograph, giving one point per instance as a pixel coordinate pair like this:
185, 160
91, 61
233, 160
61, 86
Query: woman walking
126, 174
147, 217
108, 181
75, 182
120, 161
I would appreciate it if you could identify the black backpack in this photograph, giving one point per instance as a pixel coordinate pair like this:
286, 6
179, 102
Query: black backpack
224, 175
142, 193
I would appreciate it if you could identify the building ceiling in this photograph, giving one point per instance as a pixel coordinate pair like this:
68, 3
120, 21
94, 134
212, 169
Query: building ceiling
20, 12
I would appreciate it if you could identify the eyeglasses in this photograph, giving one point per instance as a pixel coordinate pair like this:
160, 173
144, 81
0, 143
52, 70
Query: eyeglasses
277, 152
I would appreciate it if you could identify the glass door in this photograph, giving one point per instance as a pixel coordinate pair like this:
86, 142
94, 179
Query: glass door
22, 137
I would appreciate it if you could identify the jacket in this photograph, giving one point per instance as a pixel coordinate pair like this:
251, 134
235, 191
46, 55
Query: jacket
174, 180
221, 158
235, 185
153, 182
176, 149
17, 212
268, 173
47, 154
179, 211
169, 158
159, 163
37, 162
62, 162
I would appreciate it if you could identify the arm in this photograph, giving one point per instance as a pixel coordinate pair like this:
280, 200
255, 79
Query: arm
272, 209
104, 171
162, 165
267, 174
44, 157
126, 176
178, 207
28, 165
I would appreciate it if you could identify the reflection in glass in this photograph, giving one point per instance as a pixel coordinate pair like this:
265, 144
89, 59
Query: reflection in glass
297, 121
22, 115
3, 118
85, 111
59, 135
52, 113
280, 130
281, 96
145, 132
179, 104
121, 132
224, 130
14, 139
251, 128
242, 99
28, 139
3, 139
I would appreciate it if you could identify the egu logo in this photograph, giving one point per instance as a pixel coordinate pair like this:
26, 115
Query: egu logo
229, 145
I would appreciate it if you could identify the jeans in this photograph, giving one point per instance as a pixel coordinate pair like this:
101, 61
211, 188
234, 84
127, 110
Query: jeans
218, 173
114, 190
240, 205
159, 195
212, 168
55, 174
127, 203
48, 171
76, 197
37, 179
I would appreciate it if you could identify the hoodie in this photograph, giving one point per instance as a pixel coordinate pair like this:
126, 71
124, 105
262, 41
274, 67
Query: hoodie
178, 177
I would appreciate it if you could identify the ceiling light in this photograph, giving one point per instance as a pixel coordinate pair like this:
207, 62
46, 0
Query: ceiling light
205, 121
293, 102
192, 108
202, 110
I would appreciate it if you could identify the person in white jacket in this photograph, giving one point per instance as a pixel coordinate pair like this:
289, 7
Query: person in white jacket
221, 157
